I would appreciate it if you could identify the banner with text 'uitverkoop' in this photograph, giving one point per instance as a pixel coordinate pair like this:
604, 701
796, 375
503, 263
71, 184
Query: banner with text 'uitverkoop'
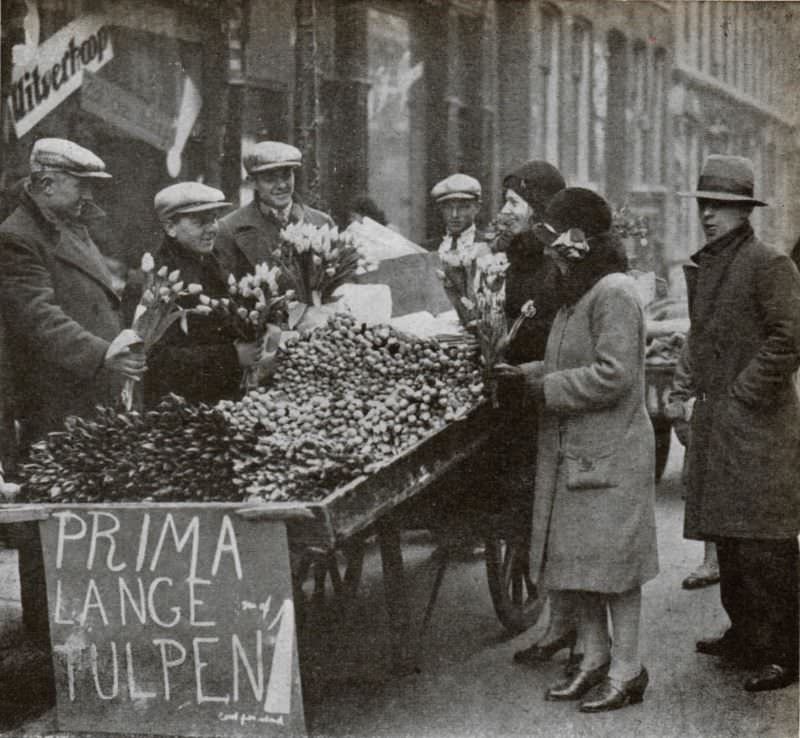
171, 620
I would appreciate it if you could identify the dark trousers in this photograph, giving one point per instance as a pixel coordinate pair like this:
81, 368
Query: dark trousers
33, 588
759, 591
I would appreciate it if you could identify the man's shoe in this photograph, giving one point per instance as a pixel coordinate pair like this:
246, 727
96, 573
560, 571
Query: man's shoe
771, 676
722, 646
702, 577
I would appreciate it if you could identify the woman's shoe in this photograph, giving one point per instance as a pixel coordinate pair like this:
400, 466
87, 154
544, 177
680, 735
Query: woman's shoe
537, 653
574, 687
573, 663
612, 697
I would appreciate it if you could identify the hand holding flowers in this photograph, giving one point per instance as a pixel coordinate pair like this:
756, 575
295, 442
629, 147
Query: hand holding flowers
157, 310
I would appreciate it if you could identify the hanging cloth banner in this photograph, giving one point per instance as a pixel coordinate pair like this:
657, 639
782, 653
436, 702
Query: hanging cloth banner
56, 70
126, 111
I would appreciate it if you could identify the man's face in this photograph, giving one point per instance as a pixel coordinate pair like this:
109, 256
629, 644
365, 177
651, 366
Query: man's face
67, 195
516, 215
719, 217
194, 231
275, 187
459, 215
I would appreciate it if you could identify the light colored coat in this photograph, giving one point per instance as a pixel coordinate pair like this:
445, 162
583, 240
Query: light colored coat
594, 507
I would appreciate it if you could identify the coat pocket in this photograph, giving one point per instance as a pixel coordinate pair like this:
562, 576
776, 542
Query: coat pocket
590, 472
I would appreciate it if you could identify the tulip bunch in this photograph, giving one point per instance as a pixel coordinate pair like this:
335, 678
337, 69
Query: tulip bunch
460, 278
316, 260
157, 310
490, 323
254, 303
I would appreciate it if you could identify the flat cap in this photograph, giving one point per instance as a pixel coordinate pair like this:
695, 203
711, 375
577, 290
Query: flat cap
187, 197
60, 155
271, 155
457, 187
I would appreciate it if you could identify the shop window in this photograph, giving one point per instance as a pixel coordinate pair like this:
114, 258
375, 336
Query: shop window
265, 117
582, 83
659, 107
468, 91
550, 67
639, 103
392, 75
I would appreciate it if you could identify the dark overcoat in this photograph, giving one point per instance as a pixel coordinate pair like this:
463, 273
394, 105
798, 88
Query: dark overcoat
249, 235
594, 505
201, 364
61, 310
744, 346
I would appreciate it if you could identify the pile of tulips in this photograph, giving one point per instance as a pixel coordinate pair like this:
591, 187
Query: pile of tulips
345, 398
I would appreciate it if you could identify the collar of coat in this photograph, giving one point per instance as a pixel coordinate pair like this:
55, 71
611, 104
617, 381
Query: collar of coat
714, 248
63, 238
255, 213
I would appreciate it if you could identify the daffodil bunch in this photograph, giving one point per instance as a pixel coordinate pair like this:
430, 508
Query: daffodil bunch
157, 310
314, 261
460, 275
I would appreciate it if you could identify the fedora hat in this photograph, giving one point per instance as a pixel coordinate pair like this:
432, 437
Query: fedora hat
726, 178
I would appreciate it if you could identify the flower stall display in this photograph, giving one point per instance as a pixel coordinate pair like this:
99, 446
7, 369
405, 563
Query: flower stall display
346, 398
157, 310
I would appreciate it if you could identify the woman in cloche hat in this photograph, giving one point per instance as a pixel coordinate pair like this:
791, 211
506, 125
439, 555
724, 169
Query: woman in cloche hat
593, 538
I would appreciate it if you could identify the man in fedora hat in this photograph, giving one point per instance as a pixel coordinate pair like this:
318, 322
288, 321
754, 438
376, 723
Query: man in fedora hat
62, 315
744, 347
249, 235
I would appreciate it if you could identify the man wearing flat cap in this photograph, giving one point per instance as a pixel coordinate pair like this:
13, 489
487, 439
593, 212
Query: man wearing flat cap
205, 363
61, 308
249, 235
743, 349
458, 198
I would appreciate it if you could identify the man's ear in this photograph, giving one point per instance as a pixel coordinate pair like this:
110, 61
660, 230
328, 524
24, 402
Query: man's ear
169, 227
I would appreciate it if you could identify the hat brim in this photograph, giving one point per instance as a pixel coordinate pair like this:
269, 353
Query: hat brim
87, 175
198, 208
724, 197
457, 196
276, 165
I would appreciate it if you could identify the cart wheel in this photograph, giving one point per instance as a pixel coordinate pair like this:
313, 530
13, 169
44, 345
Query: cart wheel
663, 439
514, 596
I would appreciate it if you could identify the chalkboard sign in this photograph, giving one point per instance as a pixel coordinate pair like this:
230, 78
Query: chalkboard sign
174, 620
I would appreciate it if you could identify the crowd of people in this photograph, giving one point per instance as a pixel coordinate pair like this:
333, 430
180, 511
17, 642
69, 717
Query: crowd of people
573, 384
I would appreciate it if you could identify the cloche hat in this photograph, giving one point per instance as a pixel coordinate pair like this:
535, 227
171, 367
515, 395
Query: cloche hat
575, 207
535, 182
726, 178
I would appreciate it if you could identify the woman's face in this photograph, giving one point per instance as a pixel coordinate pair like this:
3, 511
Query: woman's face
516, 214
